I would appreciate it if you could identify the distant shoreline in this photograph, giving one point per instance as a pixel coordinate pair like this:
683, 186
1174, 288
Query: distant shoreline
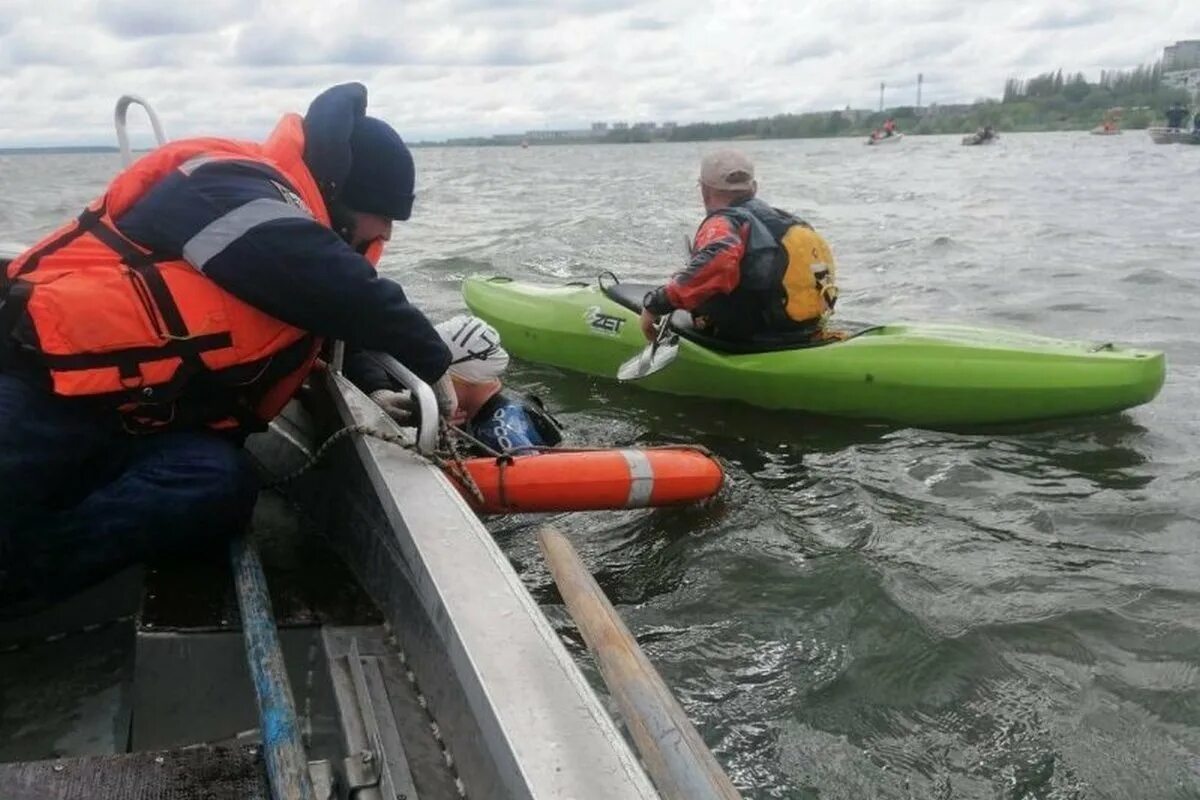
863, 134
59, 150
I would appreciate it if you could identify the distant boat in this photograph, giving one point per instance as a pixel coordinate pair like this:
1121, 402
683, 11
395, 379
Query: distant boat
979, 138
1174, 135
893, 139
1106, 130
524, 143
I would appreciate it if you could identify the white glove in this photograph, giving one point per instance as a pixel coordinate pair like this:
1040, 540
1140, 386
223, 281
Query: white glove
447, 398
397, 405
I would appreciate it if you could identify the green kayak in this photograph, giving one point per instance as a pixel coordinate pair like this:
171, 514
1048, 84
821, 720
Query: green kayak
918, 374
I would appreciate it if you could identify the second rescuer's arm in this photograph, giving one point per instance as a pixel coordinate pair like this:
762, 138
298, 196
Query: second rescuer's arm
714, 269
289, 265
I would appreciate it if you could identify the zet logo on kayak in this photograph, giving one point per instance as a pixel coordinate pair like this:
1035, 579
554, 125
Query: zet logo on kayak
600, 322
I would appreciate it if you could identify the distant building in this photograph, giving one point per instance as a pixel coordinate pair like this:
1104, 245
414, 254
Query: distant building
599, 127
620, 126
669, 126
645, 126
1181, 66
556, 136
1183, 55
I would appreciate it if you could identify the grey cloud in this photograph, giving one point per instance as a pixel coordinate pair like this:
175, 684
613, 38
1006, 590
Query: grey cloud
815, 47
944, 11
579, 6
266, 46
21, 50
1056, 18
511, 52
134, 19
646, 24
256, 46
932, 47
360, 49
290, 78
151, 54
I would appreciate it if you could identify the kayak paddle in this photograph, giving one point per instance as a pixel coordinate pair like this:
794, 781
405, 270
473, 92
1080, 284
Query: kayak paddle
655, 356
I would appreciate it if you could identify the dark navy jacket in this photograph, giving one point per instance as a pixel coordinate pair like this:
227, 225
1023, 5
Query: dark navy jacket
291, 267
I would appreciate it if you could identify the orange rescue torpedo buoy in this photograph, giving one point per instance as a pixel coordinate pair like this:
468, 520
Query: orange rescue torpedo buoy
592, 480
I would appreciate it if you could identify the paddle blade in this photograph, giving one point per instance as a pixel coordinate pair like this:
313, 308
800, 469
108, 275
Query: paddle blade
651, 360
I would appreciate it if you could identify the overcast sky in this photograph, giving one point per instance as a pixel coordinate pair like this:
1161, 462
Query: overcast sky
442, 68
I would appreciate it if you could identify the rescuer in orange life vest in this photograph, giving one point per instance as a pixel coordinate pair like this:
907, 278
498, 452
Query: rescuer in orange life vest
142, 341
757, 275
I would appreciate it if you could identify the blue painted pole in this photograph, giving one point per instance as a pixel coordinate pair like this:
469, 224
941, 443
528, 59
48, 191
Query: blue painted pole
287, 763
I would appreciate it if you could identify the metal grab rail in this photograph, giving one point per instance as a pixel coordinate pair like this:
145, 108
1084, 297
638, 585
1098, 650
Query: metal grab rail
427, 430
119, 114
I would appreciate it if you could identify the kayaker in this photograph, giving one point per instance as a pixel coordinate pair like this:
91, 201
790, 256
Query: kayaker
503, 420
757, 273
889, 127
140, 343
1176, 115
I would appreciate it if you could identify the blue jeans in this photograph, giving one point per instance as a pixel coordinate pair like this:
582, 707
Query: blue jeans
81, 499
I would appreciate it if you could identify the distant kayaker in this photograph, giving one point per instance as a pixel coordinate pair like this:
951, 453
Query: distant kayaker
502, 420
141, 342
889, 127
984, 134
1176, 115
756, 273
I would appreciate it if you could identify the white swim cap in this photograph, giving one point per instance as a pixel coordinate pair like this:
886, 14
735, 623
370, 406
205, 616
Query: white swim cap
475, 352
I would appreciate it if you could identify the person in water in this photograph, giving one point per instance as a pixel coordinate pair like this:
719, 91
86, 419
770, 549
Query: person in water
889, 127
756, 273
1176, 115
142, 341
501, 420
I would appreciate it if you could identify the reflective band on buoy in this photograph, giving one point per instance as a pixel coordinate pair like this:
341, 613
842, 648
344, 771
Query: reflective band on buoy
641, 478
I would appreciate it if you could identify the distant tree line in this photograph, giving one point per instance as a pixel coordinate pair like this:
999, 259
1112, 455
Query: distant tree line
1050, 101
1144, 80
1046, 102
1053, 100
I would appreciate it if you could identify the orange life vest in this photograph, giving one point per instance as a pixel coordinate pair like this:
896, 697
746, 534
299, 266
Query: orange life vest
107, 317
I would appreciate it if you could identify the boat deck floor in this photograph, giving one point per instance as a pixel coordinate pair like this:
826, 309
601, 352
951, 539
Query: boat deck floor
202, 773
153, 662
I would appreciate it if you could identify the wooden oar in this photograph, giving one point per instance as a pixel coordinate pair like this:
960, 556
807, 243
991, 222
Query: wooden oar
679, 763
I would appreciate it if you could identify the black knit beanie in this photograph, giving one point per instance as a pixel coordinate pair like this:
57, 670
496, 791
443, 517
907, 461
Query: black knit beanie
381, 171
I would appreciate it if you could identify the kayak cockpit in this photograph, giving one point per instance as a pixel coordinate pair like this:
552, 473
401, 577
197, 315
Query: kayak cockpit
631, 295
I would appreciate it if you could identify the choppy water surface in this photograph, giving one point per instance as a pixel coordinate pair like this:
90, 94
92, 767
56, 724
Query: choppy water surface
872, 611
